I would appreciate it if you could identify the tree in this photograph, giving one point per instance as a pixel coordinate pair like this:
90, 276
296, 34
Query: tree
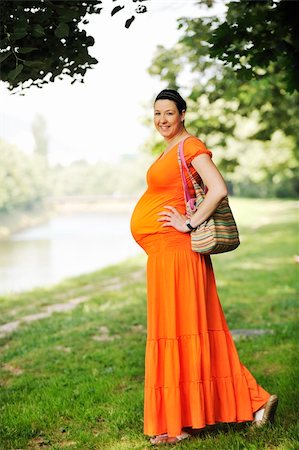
228, 87
258, 39
22, 179
41, 40
39, 131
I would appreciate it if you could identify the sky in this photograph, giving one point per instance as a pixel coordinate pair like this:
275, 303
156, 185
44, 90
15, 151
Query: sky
100, 120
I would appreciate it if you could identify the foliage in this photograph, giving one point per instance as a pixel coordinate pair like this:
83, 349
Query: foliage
224, 90
100, 178
23, 179
75, 379
258, 169
26, 180
42, 40
258, 39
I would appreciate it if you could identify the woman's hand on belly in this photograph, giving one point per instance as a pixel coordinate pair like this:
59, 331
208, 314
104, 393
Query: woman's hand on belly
172, 218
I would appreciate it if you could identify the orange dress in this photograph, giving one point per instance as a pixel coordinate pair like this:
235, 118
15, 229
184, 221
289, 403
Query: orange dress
193, 375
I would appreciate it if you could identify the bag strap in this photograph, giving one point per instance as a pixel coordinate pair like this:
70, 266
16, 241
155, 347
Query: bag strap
182, 161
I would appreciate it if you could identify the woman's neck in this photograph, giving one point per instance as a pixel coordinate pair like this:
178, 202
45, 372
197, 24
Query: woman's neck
174, 140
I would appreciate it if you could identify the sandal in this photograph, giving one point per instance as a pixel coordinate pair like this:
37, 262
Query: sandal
159, 439
165, 439
268, 414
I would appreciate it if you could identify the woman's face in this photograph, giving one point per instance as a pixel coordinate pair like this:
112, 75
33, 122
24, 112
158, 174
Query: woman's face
168, 120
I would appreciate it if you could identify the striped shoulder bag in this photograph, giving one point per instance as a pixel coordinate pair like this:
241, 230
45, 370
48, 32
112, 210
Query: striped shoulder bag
217, 234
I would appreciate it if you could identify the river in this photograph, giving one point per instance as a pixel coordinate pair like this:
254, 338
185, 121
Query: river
65, 246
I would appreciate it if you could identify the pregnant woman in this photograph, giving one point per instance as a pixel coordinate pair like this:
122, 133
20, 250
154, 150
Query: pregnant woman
193, 376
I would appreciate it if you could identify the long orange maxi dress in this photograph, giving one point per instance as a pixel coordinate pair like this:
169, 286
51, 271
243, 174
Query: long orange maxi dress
193, 375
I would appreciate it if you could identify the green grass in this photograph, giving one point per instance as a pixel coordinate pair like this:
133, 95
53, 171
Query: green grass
75, 380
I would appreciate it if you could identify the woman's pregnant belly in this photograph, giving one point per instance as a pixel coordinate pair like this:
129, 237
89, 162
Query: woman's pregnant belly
144, 220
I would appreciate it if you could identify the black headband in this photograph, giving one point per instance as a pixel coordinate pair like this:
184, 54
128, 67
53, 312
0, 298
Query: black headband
171, 94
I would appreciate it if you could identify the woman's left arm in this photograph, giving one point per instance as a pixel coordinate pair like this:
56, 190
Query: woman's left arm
215, 183
217, 190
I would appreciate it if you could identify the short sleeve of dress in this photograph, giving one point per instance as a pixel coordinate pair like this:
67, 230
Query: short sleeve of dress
194, 147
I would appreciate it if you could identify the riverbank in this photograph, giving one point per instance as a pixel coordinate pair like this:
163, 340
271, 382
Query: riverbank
68, 244
72, 368
16, 221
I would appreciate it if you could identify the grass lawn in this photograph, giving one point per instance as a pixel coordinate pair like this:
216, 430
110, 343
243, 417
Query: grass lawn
75, 379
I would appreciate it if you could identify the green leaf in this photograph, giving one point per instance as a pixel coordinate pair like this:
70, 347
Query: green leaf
42, 16
38, 31
5, 55
89, 41
4, 43
15, 72
34, 64
27, 49
92, 60
19, 33
69, 15
116, 10
62, 30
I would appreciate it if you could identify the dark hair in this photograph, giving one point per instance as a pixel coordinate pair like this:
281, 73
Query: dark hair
171, 94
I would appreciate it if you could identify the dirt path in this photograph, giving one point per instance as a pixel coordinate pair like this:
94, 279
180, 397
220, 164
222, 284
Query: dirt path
9, 327
114, 284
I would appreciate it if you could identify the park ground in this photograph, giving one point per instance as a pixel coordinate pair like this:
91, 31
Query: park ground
72, 355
